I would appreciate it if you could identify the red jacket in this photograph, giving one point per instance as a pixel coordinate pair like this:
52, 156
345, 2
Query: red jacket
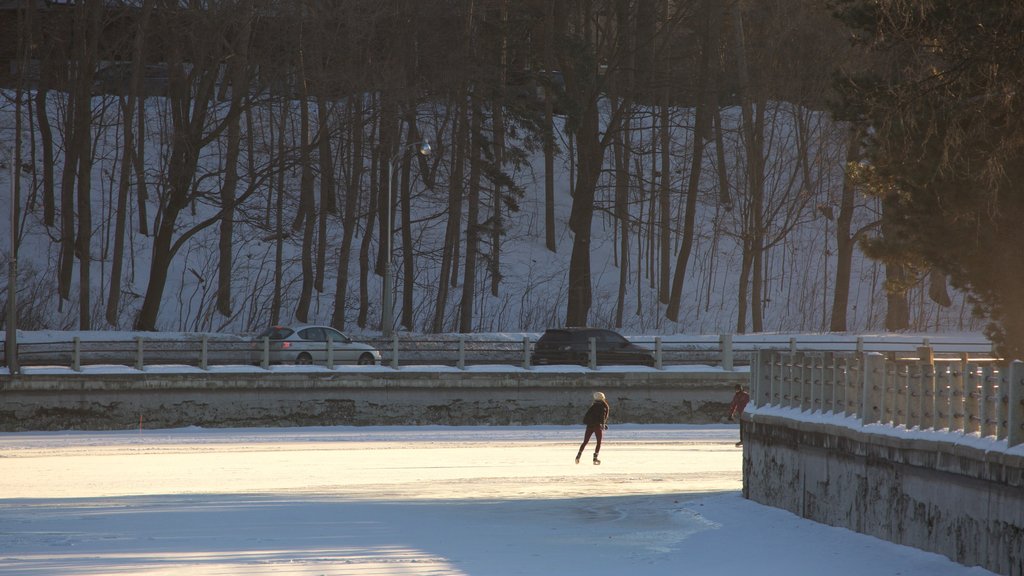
739, 403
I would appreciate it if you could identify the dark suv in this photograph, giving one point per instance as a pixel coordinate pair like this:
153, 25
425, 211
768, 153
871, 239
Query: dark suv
572, 346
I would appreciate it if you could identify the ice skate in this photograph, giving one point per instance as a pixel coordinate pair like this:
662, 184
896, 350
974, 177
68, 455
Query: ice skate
596, 461
578, 457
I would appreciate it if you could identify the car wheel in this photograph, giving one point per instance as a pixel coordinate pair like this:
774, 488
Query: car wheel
304, 359
366, 360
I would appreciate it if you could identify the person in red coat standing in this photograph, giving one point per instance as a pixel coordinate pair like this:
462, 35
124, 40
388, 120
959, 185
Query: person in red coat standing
596, 420
739, 403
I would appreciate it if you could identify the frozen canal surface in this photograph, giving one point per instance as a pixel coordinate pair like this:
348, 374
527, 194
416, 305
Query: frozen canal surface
409, 501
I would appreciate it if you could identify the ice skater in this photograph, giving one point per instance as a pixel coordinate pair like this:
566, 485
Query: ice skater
596, 420
736, 407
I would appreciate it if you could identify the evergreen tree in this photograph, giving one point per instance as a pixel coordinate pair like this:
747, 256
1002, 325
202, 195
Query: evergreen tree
945, 150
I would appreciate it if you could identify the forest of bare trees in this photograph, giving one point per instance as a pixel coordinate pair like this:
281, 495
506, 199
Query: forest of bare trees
653, 166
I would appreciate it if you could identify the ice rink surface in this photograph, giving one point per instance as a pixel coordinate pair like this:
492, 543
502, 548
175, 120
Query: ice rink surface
409, 501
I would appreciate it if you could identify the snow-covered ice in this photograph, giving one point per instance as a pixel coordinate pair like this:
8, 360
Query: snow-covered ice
409, 501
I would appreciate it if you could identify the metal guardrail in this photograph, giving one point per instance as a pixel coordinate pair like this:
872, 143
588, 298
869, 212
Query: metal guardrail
205, 350
962, 393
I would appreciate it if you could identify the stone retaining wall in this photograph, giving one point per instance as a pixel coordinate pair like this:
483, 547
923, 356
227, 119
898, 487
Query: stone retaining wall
373, 397
953, 499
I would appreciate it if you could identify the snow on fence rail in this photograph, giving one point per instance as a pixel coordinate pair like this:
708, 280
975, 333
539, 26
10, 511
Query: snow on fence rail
953, 392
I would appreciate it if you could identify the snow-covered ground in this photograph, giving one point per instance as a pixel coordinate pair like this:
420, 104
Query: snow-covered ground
409, 501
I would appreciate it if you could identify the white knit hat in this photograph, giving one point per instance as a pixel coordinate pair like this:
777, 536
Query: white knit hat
598, 395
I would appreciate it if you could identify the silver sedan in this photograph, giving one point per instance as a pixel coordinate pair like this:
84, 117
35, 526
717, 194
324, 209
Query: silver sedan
309, 345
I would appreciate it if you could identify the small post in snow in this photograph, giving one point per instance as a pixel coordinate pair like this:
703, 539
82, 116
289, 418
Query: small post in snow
139, 362
394, 351
76, 354
203, 360
657, 353
462, 353
526, 352
592, 363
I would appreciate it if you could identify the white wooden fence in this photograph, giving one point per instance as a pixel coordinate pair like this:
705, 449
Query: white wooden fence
954, 393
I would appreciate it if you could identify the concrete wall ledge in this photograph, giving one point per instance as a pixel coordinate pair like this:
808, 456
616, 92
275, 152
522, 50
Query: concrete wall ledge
945, 495
369, 396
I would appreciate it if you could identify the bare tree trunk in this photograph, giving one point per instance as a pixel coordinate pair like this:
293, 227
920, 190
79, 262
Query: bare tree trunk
472, 220
453, 225
328, 203
549, 130
701, 126
664, 206
753, 131
279, 234
306, 214
622, 185
355, 123
129, 109
239, 87
844, 239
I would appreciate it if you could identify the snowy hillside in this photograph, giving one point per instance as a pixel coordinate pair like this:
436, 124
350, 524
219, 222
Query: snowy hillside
799, 269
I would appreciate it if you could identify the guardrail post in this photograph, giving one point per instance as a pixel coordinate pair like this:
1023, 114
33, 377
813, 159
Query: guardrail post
526, 352
203, 360
592, 363
394, 351
76, 354
725, 341
1015, 412
265, 354
462, 353
657, 352
330, 351
874, 383
139, 361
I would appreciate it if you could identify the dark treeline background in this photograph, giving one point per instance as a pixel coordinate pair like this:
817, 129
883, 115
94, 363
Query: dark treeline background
655, 166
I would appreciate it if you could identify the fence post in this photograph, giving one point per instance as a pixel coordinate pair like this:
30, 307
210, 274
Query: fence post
76, 354
957, 396
139, 363
265, 353
971, 419
657, 352
526, 352
725, 341
754, 379
760, 388
985, 412
592, 362
874, 382
203, 360
785, 378
462, 353
805, 389
926, 386
829, 366
394, 351
330, 351
1015, 407
812, 370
